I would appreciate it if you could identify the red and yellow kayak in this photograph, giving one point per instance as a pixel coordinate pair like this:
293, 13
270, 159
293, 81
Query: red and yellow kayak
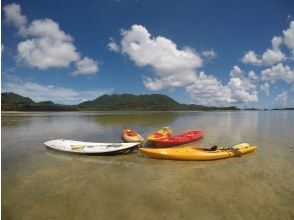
178, 139
197, 153
163, 133
130, 135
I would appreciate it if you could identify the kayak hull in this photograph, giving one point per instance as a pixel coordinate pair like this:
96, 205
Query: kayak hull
178, 139
195, 153
130, 135
90, 148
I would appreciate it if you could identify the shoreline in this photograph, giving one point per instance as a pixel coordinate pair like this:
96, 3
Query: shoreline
123, 111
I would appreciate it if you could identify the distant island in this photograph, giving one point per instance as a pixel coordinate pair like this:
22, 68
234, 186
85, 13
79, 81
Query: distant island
14, 102
283, 108
124, 102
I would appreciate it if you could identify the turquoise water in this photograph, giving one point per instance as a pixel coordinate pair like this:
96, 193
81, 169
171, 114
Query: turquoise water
38, 183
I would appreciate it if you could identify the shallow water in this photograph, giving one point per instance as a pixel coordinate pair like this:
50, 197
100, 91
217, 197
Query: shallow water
38, 183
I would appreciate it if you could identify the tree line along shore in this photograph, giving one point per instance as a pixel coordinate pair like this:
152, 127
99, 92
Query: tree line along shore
11, 102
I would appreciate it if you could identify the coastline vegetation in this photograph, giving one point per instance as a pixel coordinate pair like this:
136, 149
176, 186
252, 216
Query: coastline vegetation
123, 102
116, 102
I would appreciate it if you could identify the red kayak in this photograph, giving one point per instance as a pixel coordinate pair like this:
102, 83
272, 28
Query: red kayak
178, 139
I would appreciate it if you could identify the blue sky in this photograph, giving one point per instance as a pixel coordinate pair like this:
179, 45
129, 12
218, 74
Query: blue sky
203, 52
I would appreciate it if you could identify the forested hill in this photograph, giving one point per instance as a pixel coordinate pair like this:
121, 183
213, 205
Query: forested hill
154, 102
124, 102
14, 102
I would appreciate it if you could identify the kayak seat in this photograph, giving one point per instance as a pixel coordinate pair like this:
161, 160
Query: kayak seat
213, 148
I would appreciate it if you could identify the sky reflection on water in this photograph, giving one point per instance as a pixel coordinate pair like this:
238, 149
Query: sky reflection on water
39, 183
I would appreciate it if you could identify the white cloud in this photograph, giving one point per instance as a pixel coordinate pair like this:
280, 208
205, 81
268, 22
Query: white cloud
274, 55
208, 90
86, 66
46, 45
281, 100
176, 68
292, 55
252, 75
45, 28
13, 15
2, 48
242, 90
39, 92
277, 42
278, 72
113, 46
236, 71
289, 36
269, 57
154, 84
265, 88
210, 54
173, 66
289, 39
251, 57
46, 52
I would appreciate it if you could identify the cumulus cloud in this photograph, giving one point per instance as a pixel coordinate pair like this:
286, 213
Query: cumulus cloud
86, 66
265, 88
281, 100
251, 57
253, 76
236, 71
274, 55
209, 91
173, 67
289, 39
210, 54
278, 72
176, 67
13, 15
46, 45
292, 55
289, 36
113, 46
269, 57
40, 92
242, 91
44, 53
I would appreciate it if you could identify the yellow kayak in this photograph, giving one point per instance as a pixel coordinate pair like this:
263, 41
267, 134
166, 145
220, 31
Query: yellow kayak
163, 133
197, 153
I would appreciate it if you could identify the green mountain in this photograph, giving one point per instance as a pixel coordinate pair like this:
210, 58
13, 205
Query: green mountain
154, 102
130, 102
14, 102
125, 102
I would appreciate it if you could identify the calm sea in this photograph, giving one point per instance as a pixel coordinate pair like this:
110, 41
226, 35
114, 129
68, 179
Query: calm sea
38, 183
